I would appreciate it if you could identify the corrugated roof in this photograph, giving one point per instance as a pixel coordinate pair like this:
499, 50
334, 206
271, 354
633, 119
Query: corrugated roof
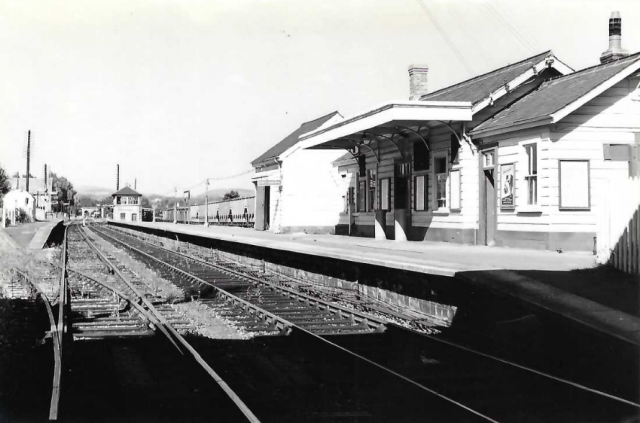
125, 191
292, 139
480, 87
555, 94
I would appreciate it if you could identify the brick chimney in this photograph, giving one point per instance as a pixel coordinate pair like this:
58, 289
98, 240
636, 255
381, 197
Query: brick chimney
418, 81
615, 50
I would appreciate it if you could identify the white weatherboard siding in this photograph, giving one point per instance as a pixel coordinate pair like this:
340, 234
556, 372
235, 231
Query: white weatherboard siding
611, 118
312, 190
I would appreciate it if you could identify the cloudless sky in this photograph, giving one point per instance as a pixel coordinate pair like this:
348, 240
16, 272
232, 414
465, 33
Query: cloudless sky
178, 91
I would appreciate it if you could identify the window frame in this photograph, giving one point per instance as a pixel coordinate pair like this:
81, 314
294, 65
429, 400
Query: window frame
425, 193
384, 197
531, 162
442, 155
565, 208
372, 191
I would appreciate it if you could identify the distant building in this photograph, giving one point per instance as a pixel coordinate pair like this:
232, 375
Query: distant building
127, 205
19, 200
41, 189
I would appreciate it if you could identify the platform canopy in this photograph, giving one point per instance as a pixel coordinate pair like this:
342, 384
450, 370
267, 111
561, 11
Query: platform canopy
387, 120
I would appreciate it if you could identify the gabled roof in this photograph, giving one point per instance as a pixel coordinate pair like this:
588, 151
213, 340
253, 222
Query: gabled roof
126, 191
480, 87
292, 139
546, 102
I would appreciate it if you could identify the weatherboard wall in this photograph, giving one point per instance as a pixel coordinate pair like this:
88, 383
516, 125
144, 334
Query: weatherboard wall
611, 118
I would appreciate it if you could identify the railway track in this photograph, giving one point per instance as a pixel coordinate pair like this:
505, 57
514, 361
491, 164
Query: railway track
489, 388
240, 294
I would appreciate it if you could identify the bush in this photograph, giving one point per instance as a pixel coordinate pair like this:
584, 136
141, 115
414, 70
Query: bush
22, 216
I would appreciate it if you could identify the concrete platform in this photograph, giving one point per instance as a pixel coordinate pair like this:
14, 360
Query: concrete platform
32, 236
502, 270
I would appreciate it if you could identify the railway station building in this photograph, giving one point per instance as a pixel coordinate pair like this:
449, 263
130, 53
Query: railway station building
296, 189
411, 166
530, 155
127, 205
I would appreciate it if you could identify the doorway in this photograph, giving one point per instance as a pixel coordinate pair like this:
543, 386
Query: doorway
267, 207
488, 219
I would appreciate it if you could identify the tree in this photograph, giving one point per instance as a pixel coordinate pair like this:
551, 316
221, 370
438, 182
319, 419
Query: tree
64, 188
231, 195
5, 186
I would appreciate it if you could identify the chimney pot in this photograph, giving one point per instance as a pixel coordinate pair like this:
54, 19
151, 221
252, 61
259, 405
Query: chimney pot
418, 81
615, 50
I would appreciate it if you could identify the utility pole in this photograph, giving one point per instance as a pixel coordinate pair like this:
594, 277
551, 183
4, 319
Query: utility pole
28, 157
117, 177
206, 204
135, 184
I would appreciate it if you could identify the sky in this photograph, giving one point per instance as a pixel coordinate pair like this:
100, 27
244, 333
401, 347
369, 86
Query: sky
180, 91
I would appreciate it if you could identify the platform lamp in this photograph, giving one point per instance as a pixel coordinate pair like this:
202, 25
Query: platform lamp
206, 204
175, 205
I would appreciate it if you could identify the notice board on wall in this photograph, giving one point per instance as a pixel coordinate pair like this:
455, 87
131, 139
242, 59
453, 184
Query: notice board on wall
574, 184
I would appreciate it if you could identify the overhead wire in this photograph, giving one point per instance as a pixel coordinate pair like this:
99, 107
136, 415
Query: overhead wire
527, 35
444, 35
478, 46
513, 31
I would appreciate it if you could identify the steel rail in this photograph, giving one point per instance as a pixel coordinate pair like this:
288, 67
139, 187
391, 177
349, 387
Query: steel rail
59, 332
371, 362
225, 387
57, 346
332, 308
285, 325
163, 323
147, 314
501, 360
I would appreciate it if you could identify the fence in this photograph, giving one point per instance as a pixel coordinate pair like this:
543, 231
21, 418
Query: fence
619, 227
236, 212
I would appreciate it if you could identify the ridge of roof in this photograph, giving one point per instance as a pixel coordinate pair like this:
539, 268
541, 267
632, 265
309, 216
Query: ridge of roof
292, 139
126, 191
494, 122
486, 74
601, 65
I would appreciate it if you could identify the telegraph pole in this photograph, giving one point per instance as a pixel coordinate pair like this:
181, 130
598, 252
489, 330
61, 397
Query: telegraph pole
28, 157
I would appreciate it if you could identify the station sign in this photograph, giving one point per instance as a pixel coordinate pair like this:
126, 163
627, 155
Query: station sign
268, 182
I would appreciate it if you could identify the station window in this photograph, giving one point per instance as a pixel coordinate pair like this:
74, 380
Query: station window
371, 193
118, 200
385, 195
532, 173
123, 216
420, 193
134, 217
441, 176
362, 195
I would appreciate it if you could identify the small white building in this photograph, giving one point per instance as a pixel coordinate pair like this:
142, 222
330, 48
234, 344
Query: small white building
41, 190
18, 200
298, 189
127, 205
